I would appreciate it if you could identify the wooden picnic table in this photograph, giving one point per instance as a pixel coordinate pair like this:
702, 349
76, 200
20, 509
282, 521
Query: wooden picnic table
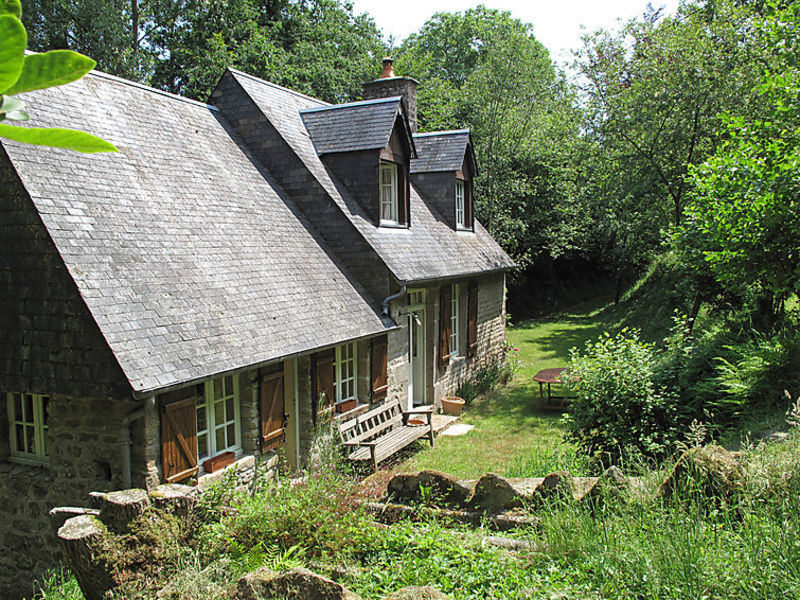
549, 376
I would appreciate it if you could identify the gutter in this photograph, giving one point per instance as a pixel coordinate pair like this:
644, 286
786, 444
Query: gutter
385, 303
125, 438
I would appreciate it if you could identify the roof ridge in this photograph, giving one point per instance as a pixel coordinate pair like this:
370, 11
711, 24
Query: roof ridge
279, 87
147, 88
357, 103
446, 132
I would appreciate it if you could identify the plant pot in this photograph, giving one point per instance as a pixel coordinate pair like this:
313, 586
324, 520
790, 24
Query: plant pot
220, 461
452, 405
346, 406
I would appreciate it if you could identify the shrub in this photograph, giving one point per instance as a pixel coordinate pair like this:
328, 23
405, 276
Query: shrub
495, 370
617, 405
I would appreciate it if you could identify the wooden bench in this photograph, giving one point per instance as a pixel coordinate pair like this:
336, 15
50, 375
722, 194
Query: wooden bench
382, 431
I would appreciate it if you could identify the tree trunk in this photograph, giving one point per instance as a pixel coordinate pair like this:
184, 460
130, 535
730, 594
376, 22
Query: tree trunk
81, 540
179, 500
123, 507
693, 312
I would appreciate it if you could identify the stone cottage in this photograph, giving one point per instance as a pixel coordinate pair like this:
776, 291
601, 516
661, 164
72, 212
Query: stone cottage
235, 268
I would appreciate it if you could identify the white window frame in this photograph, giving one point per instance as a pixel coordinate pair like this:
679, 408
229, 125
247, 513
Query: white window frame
209, 404
461, 213
36, 421
345, 368
455, 337
389, 194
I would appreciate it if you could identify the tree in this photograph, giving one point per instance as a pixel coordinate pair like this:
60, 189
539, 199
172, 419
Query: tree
742, 219
21, 73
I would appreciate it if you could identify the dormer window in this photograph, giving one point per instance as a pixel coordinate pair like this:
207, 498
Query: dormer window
461, 220
389, 196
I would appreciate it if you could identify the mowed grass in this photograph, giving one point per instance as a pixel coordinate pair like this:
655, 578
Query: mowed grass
514, 434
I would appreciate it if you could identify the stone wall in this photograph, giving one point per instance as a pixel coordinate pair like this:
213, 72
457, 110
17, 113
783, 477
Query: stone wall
84, 456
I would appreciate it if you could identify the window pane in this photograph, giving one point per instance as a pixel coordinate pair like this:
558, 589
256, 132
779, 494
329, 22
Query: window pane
28, 414
229, 409
202, 445
218, 388
220, 438
30, 436
17, 407
201, 418
19, 445
45, 409
229, 385
219, 413
231, 435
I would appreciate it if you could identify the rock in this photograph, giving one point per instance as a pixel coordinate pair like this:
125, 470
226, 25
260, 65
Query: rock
297, 584
493, 492
444, 488
179, 500
612, 482
710, 469
250, 585
415, 592
82, 538
555, 485
121, 508
404, 486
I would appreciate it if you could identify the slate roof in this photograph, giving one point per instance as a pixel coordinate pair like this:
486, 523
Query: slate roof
365, 125
440, 151
189, 257
429, 249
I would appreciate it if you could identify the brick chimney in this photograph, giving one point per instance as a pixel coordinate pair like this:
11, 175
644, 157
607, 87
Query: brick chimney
389, 84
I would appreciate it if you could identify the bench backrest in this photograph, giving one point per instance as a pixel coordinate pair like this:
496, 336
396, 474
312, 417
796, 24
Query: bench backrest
372, 423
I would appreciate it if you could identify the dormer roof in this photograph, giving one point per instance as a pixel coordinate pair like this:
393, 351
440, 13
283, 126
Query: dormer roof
364, 125
439, 151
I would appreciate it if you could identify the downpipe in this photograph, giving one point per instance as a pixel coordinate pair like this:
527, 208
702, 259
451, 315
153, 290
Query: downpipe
385, 303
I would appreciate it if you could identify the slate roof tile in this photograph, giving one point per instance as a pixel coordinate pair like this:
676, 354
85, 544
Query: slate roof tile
364, 125
181, 240
428, 249
440, 151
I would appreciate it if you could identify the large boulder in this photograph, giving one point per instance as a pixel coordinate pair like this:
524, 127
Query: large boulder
711, 470
415, 592
444, 488
493, 492
611, 483
555, 485
297, 584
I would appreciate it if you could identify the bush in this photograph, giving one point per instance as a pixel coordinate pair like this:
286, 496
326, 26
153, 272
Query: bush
495, 370
617, 405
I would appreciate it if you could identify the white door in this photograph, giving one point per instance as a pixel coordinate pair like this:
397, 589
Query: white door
416, 377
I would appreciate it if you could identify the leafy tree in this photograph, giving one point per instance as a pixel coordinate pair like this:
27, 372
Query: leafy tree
21, 73
742, 220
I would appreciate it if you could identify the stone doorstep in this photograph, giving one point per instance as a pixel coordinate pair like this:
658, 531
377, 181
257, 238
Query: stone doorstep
442, 422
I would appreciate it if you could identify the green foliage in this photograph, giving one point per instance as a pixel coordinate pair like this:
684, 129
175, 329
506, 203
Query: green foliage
58, 584
489, 374
24, 73
742, 219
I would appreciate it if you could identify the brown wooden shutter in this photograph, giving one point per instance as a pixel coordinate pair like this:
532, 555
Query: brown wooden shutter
273, 423
402, 195
472, 319
469, 212
378, 364
179, 435
445, 293
323, 378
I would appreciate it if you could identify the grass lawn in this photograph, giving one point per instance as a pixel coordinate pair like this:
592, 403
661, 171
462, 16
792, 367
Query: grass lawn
514, 436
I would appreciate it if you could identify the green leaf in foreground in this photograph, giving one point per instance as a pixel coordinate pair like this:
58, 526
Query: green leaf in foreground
11, 7
70, 139
13, 40
49, 69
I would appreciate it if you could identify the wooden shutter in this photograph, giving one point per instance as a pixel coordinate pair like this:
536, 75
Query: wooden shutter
402, 195
179, 435
445, 293
273, 420
378, 364
323, 378
472, 318
469, 217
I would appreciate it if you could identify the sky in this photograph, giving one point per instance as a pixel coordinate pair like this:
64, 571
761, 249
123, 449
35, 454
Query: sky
556, 23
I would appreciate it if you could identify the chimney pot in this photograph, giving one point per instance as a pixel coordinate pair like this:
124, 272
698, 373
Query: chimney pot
388, 68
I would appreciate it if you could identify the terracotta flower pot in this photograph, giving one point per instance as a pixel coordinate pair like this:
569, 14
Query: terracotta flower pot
220, 461
452, 405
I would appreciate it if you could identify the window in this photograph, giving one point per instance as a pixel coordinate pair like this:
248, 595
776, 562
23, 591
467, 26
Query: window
389, 189
27, 419
218, 417
454, 337
344, 366
461, 215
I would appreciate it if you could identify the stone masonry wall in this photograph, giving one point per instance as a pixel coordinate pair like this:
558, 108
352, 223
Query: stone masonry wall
84, 454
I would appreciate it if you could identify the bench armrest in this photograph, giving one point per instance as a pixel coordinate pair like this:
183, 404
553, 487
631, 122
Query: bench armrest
359, 443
